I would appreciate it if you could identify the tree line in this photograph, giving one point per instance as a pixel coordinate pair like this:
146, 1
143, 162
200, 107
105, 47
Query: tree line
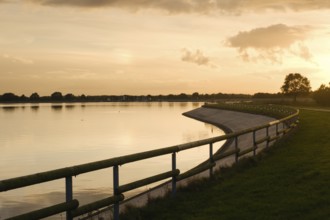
294, 85
59, 97
322, 95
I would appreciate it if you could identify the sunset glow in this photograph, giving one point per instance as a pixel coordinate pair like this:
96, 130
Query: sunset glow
161, 47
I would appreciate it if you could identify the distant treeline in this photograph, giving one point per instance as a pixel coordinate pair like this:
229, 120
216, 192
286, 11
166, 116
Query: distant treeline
321, 96
59, 97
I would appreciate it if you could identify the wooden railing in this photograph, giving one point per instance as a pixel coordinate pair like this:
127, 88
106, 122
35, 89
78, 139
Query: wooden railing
71, 206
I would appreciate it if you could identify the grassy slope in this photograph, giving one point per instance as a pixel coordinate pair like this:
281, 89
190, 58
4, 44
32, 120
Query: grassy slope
290, 182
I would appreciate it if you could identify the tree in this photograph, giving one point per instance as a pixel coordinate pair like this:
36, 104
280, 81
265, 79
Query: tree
34, 97
182, 96
57, 96
23, 98
322, 95
195, 95
295, 84
9, 97
69, 97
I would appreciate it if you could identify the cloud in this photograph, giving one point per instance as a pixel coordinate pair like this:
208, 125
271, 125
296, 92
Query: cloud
271, 43
172, 6
239, 6
196, 57
197, 6
15, 59
72, 73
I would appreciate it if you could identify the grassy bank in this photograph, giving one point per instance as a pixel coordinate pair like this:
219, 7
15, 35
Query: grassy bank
276, 111
291, 181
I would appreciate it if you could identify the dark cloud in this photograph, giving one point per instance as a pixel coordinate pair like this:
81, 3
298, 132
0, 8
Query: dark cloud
196, 57
270, 43
197, 6
239, 6
172, 6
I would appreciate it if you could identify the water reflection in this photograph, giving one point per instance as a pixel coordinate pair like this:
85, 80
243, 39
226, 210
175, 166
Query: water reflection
70, 106
10, 208
34, 108
9, 108
196, 104
183, 104
188, 136
209, 127
52, 139
56, 107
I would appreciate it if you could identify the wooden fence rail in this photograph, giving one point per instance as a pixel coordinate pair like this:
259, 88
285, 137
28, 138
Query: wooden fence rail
71, 206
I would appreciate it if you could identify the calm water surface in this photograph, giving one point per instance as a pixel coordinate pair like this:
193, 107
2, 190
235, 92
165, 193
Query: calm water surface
36, 138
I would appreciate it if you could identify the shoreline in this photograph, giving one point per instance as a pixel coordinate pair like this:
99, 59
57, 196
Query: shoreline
228, 121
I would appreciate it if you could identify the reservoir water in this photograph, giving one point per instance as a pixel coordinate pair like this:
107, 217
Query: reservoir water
41, 137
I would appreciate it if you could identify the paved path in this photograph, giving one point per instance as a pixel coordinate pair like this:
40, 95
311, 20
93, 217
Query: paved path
232, 121
228, 121
316, 109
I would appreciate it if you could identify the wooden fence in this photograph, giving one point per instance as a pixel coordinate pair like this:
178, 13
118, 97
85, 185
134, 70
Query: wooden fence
71, 206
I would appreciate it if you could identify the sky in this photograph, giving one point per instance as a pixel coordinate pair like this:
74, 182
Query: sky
141, 47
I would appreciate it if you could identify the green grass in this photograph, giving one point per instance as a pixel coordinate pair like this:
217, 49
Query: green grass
290, 181
276, 111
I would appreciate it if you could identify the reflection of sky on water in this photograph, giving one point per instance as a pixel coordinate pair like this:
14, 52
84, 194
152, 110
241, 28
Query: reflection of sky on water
37, 201
43, 137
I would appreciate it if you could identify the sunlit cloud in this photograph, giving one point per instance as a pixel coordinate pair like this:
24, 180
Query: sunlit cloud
133, 46
196, 57
271, 43
195, 6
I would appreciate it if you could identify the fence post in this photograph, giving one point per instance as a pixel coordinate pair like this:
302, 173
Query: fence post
267, 135
115, 191
236, 148
68, 194
211, 159
254, 143
276, 129
173, 177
